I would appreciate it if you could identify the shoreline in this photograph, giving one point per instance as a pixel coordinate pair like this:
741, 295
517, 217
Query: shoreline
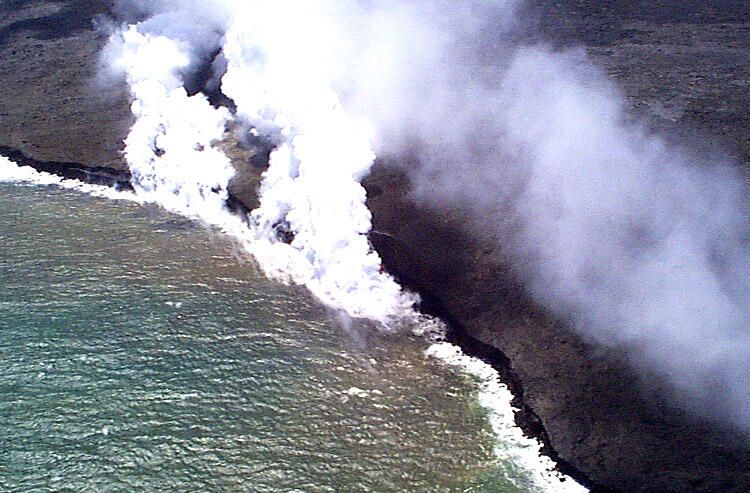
598, 416
93, 175
524, 416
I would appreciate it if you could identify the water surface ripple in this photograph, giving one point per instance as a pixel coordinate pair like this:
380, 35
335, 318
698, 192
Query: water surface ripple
141, 351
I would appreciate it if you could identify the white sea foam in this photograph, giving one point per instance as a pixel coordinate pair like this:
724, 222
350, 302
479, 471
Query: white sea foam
12, 172
512, 445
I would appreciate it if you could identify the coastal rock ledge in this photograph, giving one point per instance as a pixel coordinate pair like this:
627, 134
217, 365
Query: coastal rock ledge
587, 404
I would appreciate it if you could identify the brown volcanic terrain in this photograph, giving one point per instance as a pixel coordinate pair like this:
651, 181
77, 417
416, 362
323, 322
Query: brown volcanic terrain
51, 108
684, 64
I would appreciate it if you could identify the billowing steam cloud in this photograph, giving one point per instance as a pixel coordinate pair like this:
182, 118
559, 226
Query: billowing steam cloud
282, 87
638, 242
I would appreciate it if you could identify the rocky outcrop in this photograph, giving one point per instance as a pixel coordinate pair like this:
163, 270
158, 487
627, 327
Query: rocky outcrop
685, 65
54, 105
594, 412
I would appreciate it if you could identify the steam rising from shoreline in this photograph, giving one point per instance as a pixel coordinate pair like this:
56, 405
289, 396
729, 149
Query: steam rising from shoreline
638, 243
312, 222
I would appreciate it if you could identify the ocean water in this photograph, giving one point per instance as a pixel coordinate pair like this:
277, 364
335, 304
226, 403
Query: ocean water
143, 351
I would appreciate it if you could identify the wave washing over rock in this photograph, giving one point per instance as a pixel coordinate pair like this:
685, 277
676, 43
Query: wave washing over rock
12, 172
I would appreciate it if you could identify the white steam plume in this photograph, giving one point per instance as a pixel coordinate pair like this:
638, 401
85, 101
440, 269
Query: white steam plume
281, 87
638, 242
279, 74
631, 238
169, 148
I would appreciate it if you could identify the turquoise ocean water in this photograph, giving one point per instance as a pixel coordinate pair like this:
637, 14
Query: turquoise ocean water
140, 351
